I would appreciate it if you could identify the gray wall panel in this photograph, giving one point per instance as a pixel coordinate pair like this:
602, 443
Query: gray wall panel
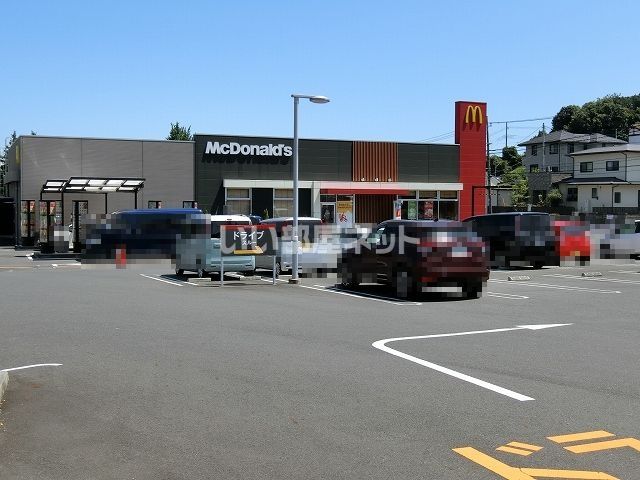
111, 158
167, 167
13, 169
443, 163
45, 158
427, 163
168, 170
413, 162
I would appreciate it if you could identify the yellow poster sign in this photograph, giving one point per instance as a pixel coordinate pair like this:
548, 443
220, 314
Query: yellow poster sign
345, 213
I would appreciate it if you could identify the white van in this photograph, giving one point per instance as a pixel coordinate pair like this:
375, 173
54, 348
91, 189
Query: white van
284, 258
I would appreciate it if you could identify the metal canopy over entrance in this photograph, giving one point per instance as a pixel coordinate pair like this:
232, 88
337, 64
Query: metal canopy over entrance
104, 185
99, 185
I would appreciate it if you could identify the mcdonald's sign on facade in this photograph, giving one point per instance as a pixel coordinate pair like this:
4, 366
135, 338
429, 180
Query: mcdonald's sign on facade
471, 135
474, 114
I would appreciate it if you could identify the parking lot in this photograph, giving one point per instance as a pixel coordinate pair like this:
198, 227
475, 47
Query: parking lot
166, 378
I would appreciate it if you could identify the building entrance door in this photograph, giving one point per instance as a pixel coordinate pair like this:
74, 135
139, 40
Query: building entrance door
78, 231
328, 212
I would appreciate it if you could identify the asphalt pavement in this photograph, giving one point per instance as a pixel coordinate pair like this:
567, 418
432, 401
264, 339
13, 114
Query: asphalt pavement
165, 379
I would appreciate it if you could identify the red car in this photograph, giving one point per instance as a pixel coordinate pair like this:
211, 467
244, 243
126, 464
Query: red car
573, 241
417, 256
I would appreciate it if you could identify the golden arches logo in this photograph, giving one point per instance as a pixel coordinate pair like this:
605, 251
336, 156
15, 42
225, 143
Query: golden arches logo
473, 111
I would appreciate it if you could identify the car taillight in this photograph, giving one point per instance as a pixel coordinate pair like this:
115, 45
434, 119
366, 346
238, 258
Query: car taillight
477, 244
429, 243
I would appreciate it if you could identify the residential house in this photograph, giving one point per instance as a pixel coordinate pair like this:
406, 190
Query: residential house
548, 157
604, 180
553, 151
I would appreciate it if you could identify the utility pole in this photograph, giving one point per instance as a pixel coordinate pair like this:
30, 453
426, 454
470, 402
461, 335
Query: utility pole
506, 134
543, 140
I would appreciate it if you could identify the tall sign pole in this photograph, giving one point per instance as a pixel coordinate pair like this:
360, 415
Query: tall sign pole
471, 136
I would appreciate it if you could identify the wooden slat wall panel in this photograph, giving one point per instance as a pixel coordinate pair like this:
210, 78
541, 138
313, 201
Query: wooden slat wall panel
373, 160
374, 208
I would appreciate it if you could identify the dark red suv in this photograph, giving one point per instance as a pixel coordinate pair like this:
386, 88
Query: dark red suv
416, 256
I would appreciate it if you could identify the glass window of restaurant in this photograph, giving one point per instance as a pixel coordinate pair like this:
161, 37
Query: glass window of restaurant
282, 202
238, 201
429, 205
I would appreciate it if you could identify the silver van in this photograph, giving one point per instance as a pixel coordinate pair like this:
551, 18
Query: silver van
201, 254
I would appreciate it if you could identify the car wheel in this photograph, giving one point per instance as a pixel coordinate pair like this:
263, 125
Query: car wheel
538, 265
403, 283
179, 272
472, 289
250, 273
201, 273
348, 277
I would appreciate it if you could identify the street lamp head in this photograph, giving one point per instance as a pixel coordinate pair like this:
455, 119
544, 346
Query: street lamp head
319, 99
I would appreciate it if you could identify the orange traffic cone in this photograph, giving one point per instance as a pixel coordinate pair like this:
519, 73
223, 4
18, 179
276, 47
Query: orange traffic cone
121, 257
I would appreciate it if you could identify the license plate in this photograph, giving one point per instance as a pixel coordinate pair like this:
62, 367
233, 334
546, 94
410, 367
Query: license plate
459, 252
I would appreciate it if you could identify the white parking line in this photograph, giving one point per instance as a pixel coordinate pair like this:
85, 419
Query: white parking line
56, 265
382, 345
161, 280
508, 296
555, 287
361, 296
624, 271
591, 279
270, 280
31, 366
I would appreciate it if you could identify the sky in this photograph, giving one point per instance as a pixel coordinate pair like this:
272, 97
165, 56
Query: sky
393, 70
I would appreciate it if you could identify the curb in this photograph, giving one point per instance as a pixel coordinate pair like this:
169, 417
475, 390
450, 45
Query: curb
4, 380
55, 256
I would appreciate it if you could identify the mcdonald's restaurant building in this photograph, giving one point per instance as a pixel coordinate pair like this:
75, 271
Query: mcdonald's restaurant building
345, 182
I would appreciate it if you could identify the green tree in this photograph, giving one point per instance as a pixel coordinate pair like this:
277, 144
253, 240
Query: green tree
610, 115
179, 132
498, 166
517, 179
563, 118
553, 198
511, 157
3, 160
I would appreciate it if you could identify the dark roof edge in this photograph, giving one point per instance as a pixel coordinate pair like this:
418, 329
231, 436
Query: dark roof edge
105, 139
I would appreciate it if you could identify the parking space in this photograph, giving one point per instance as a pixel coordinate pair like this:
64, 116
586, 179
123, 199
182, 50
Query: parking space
535, 379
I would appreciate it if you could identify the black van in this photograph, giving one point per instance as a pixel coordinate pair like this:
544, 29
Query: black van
517, 237
145, 233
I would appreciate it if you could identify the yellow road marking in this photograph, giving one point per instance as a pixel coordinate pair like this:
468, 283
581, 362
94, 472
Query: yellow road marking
512, 473
493, 465
575, 474
526, 446
576, 437
606, 445
515, 451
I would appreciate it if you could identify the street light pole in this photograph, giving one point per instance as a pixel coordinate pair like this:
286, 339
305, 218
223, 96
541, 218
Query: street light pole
294, 239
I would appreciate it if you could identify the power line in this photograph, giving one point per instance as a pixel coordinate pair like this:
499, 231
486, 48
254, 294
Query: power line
438, 137
525, 120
